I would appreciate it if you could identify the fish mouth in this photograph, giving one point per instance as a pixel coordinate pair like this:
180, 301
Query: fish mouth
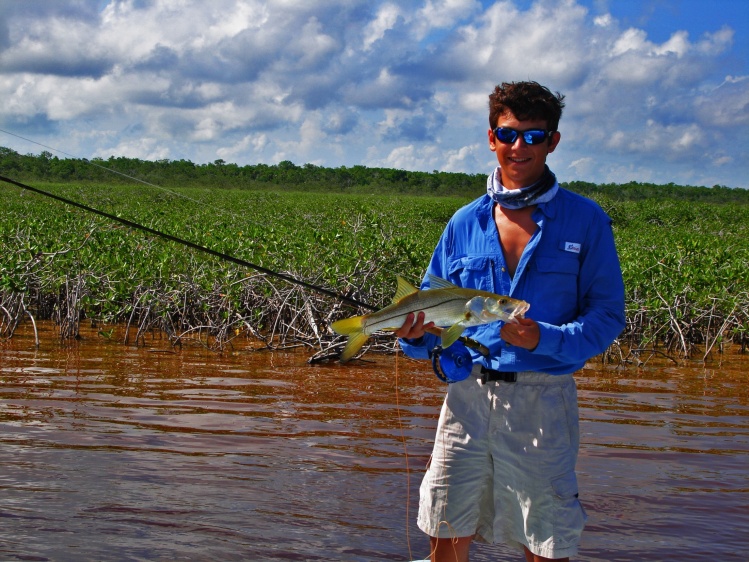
519, 311
483, 310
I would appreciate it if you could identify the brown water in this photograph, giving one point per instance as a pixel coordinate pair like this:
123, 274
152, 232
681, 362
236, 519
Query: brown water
110, 452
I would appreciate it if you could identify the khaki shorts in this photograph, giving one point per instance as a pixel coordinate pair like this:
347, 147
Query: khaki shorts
503, 465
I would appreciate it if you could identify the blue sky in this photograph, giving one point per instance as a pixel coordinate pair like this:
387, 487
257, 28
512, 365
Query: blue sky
656, 90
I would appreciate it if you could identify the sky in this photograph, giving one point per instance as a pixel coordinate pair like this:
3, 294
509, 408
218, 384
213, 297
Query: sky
655, 90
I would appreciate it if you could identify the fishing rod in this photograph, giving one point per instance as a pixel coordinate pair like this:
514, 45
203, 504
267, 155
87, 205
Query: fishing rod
468, 342
192, 245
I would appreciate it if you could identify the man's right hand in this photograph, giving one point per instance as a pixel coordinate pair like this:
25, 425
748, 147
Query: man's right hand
413, 327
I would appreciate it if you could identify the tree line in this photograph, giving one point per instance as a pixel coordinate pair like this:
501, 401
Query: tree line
308, 177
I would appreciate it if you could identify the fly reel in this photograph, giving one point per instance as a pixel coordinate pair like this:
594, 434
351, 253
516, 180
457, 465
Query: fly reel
452, 364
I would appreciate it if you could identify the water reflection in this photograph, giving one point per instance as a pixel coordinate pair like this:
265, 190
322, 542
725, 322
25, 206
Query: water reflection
118, 453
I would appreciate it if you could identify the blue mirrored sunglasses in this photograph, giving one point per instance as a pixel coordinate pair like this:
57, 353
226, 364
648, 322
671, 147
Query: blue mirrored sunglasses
507, 135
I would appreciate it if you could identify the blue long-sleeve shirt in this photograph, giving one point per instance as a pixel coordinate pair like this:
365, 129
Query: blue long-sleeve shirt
569, 272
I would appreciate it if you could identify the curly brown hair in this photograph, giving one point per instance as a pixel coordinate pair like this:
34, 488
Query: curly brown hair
526, 101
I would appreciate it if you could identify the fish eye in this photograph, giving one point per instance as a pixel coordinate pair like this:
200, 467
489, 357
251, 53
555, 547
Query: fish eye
502, 301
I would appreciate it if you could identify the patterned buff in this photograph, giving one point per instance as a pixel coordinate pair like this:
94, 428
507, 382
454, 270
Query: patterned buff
540, 192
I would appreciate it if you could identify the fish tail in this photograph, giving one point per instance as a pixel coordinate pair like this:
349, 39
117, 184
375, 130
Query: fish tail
354, 329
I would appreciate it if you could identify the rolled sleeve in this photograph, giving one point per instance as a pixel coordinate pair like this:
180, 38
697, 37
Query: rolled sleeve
569, 273
419, 348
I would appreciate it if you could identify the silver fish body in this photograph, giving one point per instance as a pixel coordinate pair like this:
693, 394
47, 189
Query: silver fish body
445, 304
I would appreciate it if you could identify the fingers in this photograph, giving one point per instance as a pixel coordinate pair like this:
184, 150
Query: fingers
525, 333
414, 326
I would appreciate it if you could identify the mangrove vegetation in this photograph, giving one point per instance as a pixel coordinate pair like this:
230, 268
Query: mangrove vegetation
684, 251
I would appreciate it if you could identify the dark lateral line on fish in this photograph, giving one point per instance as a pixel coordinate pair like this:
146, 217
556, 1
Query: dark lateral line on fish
437, 331
192, 245
424, 309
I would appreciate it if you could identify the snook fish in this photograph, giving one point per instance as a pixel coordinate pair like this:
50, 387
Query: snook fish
445, 304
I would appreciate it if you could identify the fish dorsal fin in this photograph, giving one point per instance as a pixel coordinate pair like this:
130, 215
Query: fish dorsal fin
404, 289
439, 283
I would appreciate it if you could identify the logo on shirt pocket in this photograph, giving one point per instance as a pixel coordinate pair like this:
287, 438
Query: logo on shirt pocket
573, 247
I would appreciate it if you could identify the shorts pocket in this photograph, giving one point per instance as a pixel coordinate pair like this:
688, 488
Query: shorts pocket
570, 515
565, 486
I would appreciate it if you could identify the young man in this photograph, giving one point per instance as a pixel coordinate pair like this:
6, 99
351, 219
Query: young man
503, 465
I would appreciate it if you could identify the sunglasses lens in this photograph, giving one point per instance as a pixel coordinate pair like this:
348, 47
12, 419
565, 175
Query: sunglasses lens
505, 135
534, 136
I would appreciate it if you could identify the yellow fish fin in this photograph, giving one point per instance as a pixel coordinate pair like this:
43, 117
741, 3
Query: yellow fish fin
348, 326
439, 283
404, 289
451, 334
353, 328
353, 345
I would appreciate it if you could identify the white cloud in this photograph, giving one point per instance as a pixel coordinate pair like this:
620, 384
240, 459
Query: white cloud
603, 21
438, 14
464, 158
386, 18
142, 148
722, 160
237, 149
582, 166
383, 83
630, 40
726, 106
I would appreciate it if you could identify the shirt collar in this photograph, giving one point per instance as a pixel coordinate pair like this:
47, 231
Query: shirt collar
548, 209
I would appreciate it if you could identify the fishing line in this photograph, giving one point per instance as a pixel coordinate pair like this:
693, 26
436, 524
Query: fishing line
229, 258
221, 210
136, 226
194, 246
137, 180
87, 161
467, 341
405, 453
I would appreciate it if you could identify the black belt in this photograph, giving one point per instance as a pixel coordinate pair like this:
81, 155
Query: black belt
489, 375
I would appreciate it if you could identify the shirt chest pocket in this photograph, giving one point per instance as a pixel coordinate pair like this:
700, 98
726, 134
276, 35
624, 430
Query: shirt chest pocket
472, 272
561, 266
557, 281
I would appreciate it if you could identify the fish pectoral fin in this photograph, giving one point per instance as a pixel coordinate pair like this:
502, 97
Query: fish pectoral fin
353, 345
404, 289
439, 283
451, 334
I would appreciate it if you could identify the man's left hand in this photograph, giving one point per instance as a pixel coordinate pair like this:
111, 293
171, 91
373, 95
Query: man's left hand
525, 333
